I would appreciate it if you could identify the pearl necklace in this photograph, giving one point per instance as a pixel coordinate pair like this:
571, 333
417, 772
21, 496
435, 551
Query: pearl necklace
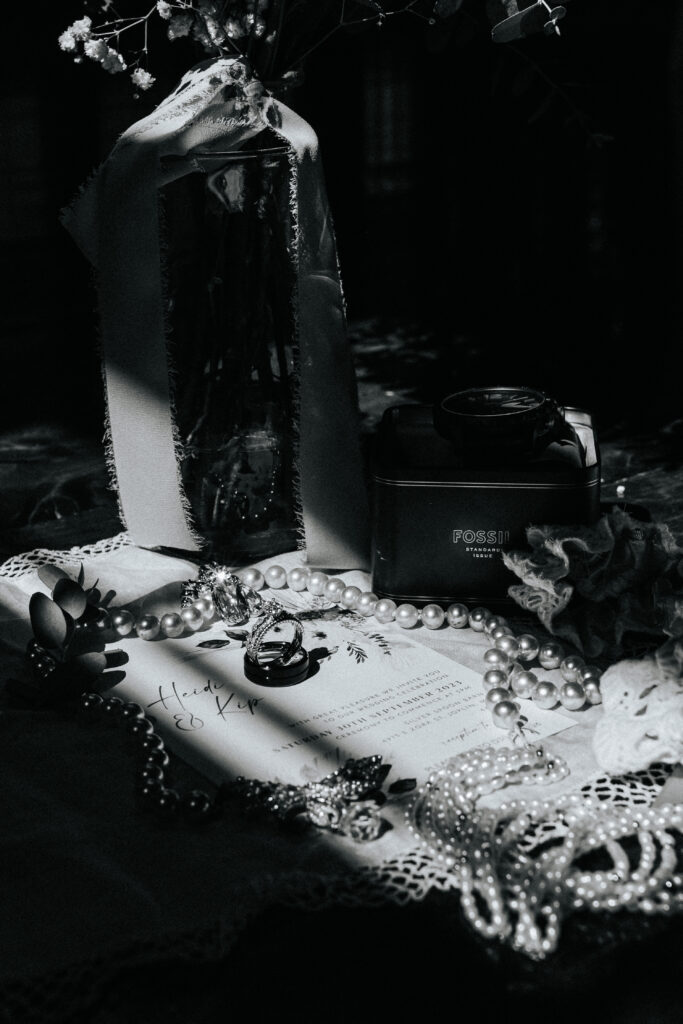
508, 675
516, 889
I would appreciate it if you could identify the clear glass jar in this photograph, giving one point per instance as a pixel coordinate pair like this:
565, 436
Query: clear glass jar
232, 340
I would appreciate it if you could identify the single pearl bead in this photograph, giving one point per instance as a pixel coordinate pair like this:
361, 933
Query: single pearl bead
550, 655
334, 589
349, 597
91, 701
493, 622
477, 619
385, 610
252, 578
457, 615
122, 621
275, 577
148, 627
587, 672
523, 684
505, 714
297, 578
495, 696
192, 617
572, 696
316, 583
172, 625
433, 616
495, 677
205, 606
366, 603
508, 644
197, 804
592, 690
545, 694
528, 647
500, 631
407, 615
496, 659
570, 667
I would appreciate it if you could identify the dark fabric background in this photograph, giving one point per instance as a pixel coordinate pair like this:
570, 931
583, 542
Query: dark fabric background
520, 203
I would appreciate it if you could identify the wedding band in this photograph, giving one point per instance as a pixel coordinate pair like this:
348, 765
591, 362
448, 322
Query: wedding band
270, 668
271, 617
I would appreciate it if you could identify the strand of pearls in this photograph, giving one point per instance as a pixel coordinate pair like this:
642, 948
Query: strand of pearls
515, 889
508, 676
152, 760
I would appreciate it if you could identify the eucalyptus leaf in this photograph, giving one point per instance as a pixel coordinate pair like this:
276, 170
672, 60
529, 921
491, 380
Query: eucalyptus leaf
51, 626
81, 575
70, 597
51, 574
237, 634
213, 645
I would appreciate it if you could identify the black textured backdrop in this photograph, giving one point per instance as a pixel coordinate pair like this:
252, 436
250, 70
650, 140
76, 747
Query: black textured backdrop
518, 205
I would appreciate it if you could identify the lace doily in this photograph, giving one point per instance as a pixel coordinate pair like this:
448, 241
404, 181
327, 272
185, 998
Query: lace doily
642, 719
637, 789
29, 561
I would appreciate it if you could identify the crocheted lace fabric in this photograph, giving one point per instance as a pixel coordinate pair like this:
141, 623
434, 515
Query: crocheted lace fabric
73, 825
29, 561
643, 717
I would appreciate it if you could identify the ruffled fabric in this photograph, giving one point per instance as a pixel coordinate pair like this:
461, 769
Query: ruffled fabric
606, 587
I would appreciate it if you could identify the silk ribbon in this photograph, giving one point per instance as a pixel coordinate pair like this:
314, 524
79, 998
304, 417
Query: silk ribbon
116, 222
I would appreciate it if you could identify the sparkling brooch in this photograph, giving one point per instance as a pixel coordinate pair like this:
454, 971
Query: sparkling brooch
233, 600
346, 801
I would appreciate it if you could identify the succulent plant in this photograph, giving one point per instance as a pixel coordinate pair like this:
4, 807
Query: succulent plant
66, 653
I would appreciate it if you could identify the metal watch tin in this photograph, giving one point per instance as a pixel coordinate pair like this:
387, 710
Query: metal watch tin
442, 513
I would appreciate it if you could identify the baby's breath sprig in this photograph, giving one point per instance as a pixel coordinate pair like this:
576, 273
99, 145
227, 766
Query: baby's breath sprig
240, 28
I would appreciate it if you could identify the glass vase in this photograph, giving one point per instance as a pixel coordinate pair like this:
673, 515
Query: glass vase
231, 323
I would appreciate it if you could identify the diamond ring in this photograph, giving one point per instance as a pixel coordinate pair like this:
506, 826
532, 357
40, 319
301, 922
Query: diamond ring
278, 662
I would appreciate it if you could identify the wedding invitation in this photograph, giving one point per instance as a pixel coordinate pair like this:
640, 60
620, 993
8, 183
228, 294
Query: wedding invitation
371, 690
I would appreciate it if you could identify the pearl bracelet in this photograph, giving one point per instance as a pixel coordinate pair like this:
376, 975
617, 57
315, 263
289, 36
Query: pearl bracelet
508, 675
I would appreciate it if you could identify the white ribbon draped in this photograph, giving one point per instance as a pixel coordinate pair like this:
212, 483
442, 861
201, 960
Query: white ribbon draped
116, 223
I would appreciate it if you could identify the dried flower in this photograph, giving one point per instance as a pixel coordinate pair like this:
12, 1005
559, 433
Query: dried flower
96, 49
232, 28
143, 79
361, 821
180, 25
67, 41
113, 62
81, 29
